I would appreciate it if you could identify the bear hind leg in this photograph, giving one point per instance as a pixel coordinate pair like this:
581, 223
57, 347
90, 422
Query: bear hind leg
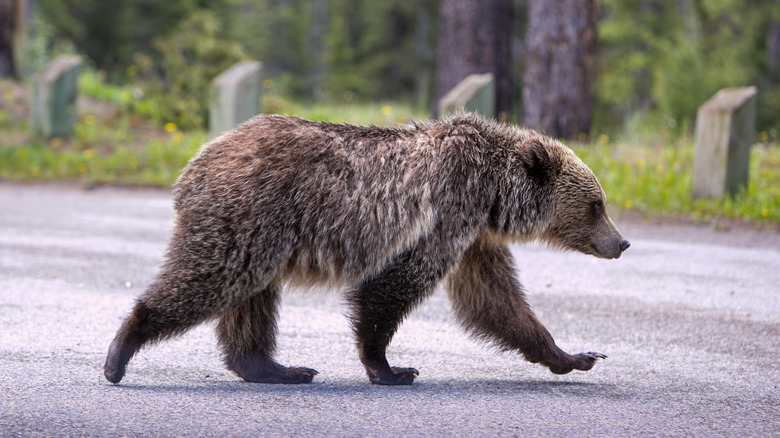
380, 304
132, 334
171, 306
247, 335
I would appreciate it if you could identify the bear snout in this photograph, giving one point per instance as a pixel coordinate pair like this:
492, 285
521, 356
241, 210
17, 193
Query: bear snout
610, 248
622, 246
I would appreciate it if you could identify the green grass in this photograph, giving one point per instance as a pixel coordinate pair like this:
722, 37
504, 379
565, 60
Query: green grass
92, 84
380, 114
126, 149
657, 181
131, 100
156, 164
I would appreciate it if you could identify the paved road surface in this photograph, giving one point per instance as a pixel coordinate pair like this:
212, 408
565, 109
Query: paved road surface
689, 317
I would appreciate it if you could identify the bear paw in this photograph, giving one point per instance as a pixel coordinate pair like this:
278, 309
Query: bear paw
281, 375
259, 369
393, 376
582, 362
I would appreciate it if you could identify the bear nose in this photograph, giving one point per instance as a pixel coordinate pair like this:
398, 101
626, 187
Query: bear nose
624, 245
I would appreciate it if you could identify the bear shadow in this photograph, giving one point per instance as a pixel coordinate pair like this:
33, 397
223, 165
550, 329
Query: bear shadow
343, 387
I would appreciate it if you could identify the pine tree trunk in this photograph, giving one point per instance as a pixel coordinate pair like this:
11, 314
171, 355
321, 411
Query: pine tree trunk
475, 37
423, 46
317, 33
560, 66
773, 49
8, 15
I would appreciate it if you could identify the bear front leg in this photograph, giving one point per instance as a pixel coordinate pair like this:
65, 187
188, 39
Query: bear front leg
380, 304
489, 301
247, 335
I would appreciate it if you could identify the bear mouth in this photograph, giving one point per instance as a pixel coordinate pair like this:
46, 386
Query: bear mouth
595, 252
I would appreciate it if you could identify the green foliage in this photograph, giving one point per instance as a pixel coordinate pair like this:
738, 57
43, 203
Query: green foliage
128, 100
39, 46
92, 84
663, 59
158, 163
110, 33
178, 87
370, 48
360, 50
658, 60
653, 179
657, 181
380, 114
277, 33
122, 150
170, 60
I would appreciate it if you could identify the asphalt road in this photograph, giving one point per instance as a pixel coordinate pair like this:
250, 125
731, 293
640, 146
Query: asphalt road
689, 317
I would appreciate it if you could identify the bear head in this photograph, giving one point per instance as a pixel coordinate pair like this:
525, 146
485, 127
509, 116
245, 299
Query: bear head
574, 217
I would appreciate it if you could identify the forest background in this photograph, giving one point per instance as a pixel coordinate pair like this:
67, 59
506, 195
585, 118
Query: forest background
649, 64
656, 60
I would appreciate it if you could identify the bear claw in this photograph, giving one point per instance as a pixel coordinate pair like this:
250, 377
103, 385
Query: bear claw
585, 361
581, 362
395, 376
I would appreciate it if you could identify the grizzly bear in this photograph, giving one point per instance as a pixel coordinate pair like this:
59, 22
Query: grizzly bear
389, 213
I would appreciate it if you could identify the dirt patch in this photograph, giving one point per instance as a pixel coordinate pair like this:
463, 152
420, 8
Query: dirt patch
15, 100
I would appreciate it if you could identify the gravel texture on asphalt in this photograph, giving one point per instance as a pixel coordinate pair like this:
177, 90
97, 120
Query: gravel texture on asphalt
689, 317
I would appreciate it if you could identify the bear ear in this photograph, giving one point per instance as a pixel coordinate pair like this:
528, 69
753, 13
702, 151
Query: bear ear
536, 161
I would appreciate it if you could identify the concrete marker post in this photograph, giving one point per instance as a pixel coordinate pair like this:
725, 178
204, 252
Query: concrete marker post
475, 93
235, 97
725, 131
55, 90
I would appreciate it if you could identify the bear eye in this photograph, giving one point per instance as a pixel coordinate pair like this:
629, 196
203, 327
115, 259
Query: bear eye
597, 207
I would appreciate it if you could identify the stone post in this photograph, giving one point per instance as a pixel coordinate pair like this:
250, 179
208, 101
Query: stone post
474, 93
55, 90
235, 97
725, 131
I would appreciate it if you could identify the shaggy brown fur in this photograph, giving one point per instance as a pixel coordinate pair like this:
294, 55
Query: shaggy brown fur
388, 212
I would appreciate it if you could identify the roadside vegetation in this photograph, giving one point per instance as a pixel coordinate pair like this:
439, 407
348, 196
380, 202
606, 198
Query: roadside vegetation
119, 140
656, 181
143, 112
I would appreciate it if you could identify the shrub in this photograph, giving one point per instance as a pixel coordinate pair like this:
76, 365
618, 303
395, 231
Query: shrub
178, 85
